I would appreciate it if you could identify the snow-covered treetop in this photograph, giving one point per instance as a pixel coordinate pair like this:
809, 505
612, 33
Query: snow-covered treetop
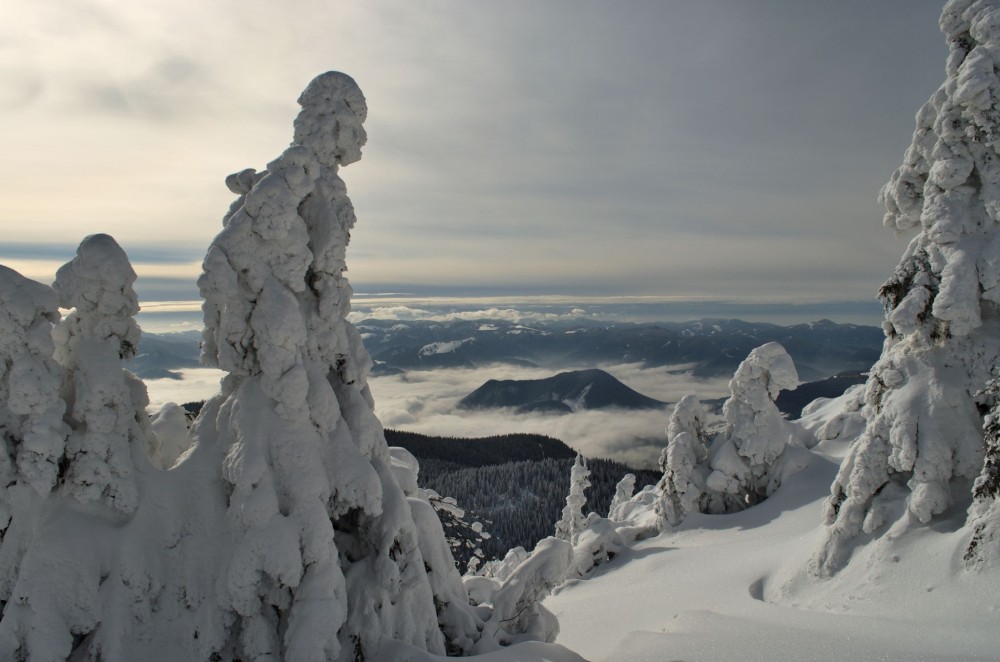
333, 110
688, 415
97, 283
761, 376
949, 187
25, 302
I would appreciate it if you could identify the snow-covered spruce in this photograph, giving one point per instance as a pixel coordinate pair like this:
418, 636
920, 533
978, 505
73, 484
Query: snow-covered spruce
73, 569
623, 492
31, 408
748, 463
327, 561
923, 440
110, 430
684, 464
744, 463
984, 514
572, 521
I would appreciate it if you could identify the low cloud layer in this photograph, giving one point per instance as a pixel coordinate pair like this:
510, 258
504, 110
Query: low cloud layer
195, 384
426, 402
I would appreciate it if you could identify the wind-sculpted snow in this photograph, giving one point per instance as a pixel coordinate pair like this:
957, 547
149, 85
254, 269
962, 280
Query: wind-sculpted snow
923, 440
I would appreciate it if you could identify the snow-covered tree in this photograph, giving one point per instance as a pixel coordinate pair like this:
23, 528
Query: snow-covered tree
32, 432
517, 610
110, 429
683, 463
572, 520
623, 492
170, 426
747, 464
923, 439
984, 514
327, 561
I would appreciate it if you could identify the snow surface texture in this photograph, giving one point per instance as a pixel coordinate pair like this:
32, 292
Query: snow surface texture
923, 442
731, 587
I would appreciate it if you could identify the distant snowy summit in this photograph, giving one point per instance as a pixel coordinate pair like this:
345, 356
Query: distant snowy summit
564, 393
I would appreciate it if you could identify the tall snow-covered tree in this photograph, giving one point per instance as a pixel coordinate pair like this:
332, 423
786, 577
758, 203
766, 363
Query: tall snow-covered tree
110, 429
571, 523
327, 560
923, 440
31, 408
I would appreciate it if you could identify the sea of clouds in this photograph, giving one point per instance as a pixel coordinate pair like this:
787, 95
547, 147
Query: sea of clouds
426, 402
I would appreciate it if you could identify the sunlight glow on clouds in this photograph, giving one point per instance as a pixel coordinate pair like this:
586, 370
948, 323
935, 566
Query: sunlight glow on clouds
710, 149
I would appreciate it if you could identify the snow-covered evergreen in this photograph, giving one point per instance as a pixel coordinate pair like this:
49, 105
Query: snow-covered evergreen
623, 492
984, 514
571, 523
748, 462
31, 408
328, 560
684, 463
107, 405
923, 440
745, 462
284, 531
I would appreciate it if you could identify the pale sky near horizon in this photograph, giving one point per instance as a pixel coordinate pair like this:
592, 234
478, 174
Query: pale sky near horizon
718, 148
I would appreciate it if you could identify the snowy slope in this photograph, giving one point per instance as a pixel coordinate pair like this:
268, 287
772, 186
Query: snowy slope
726, 587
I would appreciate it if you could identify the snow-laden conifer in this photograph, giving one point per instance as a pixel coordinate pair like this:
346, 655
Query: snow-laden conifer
110, 429
923, 439
31, 408
327, 560
683, 463
747, 464
984, 514
623, 492
572, 521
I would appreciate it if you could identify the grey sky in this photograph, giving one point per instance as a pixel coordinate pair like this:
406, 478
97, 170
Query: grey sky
705, 149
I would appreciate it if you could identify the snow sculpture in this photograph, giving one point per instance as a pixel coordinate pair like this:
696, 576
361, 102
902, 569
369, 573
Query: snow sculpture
31, 410
328, 559
111, 432
679, 492
747, 466
573, 519
923, 440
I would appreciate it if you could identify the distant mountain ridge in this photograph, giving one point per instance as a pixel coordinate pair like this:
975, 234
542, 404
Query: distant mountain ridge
711, 347
566, 392
707, 348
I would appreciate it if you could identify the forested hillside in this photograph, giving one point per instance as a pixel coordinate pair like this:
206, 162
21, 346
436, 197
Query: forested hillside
516, 485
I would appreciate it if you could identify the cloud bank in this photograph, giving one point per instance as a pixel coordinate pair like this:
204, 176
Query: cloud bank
425, 402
